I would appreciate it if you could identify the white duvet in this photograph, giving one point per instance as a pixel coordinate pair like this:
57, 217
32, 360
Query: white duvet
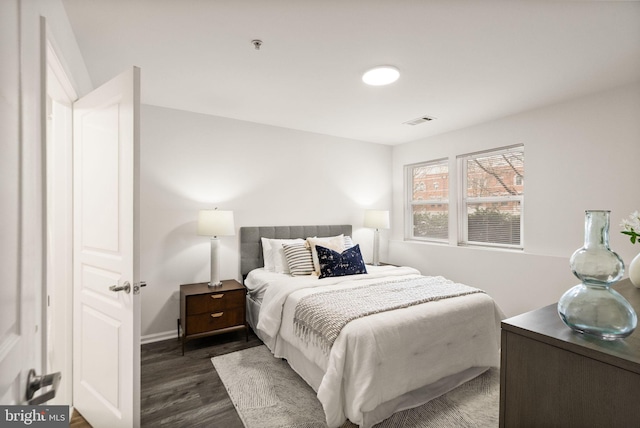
381, 357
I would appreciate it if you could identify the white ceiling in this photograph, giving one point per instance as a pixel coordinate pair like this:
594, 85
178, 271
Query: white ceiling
463, 62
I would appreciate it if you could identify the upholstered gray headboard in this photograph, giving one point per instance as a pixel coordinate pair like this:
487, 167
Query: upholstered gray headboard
251, 247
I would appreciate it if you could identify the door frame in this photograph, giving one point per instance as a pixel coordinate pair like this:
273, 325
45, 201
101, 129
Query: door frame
59, 223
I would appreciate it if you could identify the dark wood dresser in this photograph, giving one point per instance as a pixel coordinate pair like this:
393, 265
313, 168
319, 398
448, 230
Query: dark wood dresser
205, 311
552, 376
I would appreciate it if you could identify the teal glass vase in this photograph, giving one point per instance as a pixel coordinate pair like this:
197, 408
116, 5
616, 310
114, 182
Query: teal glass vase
593, 307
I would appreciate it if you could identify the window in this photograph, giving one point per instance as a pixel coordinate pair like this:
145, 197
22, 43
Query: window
491, 205
428, 200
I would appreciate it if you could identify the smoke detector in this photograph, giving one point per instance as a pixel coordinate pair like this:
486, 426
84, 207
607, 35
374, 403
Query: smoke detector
419, 120
257, 44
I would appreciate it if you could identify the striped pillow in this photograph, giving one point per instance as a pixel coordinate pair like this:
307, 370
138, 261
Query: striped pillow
348, 242
299, 259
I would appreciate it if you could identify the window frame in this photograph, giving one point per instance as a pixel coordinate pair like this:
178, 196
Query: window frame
410, 203
464, 200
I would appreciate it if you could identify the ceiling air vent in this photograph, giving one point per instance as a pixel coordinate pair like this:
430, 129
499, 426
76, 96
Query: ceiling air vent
419, 120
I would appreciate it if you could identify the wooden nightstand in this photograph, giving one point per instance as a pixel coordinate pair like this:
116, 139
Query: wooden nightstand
206, 311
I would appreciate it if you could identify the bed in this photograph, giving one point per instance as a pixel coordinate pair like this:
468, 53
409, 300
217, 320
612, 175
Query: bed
375, 365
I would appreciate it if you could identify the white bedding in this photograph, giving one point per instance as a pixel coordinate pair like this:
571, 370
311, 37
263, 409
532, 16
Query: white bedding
381, 357
258, 280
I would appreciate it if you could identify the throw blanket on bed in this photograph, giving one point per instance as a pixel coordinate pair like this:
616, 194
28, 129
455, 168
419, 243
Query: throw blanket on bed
320, 317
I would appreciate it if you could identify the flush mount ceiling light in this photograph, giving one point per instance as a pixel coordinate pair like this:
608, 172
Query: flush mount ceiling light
381, 75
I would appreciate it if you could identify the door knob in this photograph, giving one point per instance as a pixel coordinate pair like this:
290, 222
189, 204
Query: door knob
126, 287
35, 382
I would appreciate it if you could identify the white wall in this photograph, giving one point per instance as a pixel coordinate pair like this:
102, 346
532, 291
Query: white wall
579, 155
266, 175
62, 38
582, 154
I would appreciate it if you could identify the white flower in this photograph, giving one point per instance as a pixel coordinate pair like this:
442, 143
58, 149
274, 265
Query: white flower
631, 227
632, 223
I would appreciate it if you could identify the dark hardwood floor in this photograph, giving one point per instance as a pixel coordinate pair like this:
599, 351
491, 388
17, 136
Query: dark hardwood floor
185, 391
77, 421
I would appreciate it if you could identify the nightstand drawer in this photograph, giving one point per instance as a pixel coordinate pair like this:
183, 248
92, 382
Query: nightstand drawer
214, 321
215, 302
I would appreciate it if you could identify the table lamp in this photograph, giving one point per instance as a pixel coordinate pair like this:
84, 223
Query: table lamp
376, 219
215, 223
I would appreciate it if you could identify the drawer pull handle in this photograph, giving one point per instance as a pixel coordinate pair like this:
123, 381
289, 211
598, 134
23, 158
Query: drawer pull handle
217, 315
217, 296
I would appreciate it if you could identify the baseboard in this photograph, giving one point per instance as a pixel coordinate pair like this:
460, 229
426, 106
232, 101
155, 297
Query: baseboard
157, 337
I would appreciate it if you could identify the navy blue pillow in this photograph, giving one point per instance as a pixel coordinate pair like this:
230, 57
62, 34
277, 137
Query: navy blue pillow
332, 263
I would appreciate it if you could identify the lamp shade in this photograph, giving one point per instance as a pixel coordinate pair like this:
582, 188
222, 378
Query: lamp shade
376, 219
216, 223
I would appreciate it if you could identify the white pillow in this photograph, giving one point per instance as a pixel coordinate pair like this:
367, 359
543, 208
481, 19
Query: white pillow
267, 255
335, 243
277, 253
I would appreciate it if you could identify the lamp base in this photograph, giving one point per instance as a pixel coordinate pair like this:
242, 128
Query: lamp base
214, 279
376, 248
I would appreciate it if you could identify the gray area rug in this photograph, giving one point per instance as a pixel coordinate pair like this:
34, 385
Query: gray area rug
267, 393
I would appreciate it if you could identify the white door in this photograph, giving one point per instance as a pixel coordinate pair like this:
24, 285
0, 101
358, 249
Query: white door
106, 354
19, 268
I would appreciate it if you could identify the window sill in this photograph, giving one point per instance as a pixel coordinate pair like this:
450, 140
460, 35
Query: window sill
467, 246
